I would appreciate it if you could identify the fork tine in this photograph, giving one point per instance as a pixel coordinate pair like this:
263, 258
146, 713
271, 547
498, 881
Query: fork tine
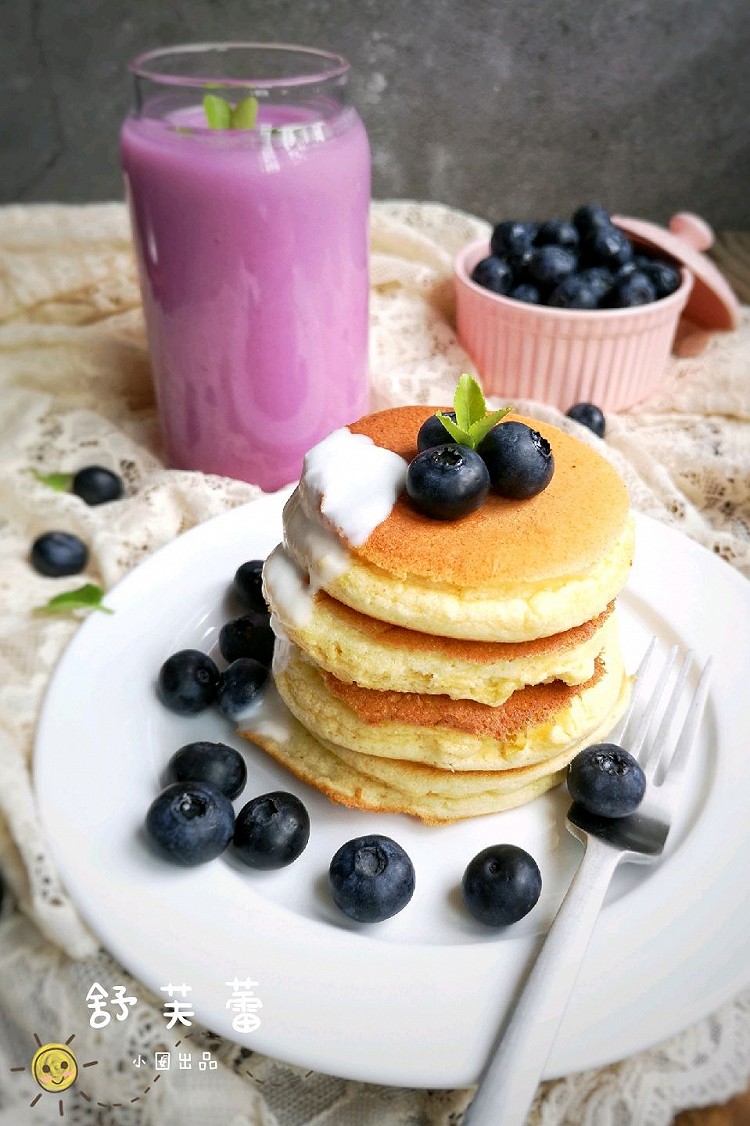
636, 741
660, 747
686, 737
618, 732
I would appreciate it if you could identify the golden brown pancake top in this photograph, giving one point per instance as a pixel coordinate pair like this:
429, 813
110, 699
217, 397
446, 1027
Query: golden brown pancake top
526, 708
561, 532
483, 652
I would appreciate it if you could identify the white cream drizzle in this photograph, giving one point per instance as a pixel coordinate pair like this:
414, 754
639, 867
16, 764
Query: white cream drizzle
348, 484
354, 481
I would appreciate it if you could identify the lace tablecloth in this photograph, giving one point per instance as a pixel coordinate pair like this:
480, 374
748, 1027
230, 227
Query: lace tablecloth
76, 390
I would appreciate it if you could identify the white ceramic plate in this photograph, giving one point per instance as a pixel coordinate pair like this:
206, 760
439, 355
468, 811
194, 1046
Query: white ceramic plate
416, 1000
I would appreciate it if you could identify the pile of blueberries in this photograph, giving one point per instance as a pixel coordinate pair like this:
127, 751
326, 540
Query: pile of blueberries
447, 480
583, 263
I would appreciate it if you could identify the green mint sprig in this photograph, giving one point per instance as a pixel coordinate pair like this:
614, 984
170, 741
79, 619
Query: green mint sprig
472, 420
60, 482
87, 597
220, 114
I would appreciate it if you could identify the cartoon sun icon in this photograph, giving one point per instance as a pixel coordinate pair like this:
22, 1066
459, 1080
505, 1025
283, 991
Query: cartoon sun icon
55, 1068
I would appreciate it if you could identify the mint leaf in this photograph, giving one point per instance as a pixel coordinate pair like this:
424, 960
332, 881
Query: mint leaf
482, 427
245, 113
87, 597
473, 423
218, 112
460, 435
60, 482
468, 402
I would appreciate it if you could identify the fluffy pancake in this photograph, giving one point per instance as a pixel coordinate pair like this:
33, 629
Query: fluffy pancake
534, 725
375, 654
392, 786
511, 571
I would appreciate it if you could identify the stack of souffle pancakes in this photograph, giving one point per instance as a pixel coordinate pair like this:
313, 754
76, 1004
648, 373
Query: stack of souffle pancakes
447, 669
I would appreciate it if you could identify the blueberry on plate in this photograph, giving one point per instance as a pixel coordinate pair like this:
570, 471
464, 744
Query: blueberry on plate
433, 433
248, 636
371, 878
447, 482
494, 274
606, 780
527, 292
548, 265
96, 485
501, 885
187, 682
190, 822
511, 237
248, 585
58, 553
519, 460
240, 686
216, 763
634, 289
589, 415
589, 217
557, 232
607, 246
573, 292
272, 830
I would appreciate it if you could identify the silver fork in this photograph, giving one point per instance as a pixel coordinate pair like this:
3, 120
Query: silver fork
515, 1067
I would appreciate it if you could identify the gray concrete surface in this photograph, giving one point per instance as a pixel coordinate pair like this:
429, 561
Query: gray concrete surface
502, 108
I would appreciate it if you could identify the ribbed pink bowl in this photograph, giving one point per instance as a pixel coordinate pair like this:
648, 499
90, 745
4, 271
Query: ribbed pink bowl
611, 357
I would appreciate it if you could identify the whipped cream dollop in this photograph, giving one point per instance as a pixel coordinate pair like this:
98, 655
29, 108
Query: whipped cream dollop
348, 486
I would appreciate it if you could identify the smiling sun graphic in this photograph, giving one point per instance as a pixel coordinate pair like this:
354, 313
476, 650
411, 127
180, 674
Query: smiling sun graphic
55, 1068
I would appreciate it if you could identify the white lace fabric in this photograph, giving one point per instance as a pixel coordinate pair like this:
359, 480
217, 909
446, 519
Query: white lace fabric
76, 390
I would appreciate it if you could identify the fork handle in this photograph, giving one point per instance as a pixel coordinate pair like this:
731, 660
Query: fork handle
510, 1079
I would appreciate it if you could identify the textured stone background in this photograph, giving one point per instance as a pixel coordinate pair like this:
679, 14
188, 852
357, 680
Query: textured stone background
500, 107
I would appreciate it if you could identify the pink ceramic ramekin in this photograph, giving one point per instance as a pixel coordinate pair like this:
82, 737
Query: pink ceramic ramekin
611, 357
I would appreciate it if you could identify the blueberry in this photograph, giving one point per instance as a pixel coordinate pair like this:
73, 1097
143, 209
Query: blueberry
239, 686
216, 763
248, 585
187, 682
58, 553
371, 878
635, 289
590, 217
606, 780
588, 415
433, 433
248, 636
96, 485
493, 273
511, 237
501, 885
574, 292
548, 265
607, 246
664, 277
190, 822
271, 830
447, 482
598, 278
519, 460
531, 294
557, 232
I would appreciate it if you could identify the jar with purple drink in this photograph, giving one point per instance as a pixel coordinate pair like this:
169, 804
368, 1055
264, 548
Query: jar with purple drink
247, 173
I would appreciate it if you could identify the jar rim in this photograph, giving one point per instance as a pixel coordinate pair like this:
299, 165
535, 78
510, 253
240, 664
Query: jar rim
140, 66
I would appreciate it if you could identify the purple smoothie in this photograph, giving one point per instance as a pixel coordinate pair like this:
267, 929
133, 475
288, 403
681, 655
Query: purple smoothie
252, 252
